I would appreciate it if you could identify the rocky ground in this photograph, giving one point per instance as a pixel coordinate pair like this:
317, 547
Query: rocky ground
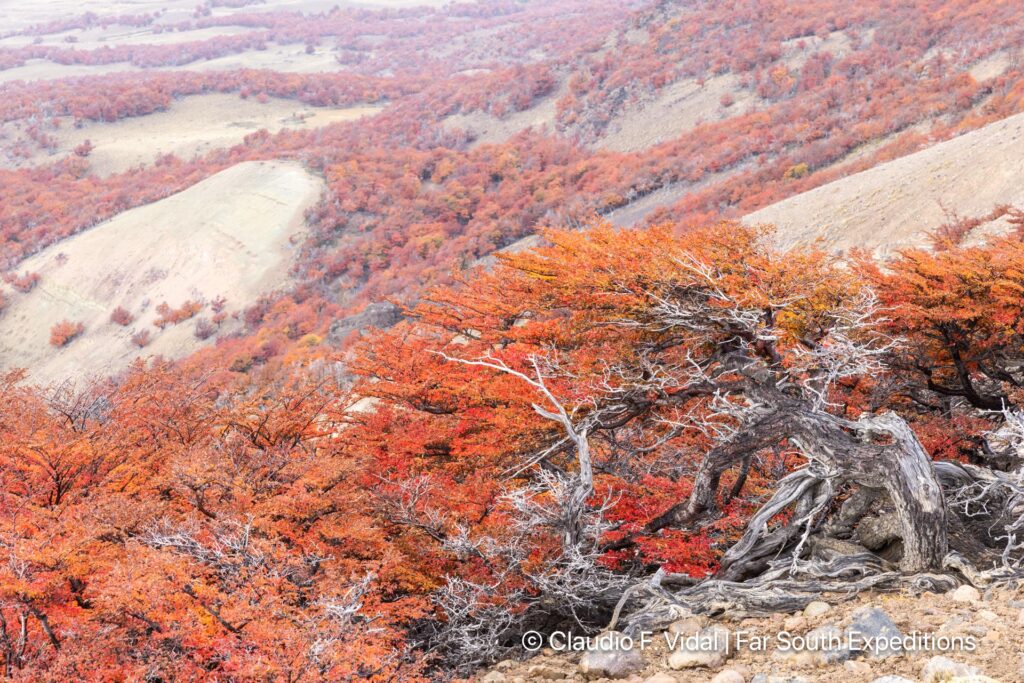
964, 636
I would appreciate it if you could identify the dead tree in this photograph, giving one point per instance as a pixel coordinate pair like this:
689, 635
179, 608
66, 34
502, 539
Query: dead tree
868, 509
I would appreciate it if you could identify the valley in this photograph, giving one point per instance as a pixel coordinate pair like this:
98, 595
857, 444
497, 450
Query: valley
366, 340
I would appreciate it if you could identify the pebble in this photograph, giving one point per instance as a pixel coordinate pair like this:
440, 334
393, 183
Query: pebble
795, 624
712, 649
816, 609
661, 678
856, 668
940, 669
965, 594
544, 672
728, 676
609, 660
873, 623
688, 626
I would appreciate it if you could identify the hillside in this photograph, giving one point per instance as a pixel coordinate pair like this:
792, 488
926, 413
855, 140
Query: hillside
455, 333
231, 235
896, 204
189, 127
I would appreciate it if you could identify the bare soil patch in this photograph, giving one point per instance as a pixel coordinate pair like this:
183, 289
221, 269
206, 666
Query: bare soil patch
897, 203
231, 235
191, 126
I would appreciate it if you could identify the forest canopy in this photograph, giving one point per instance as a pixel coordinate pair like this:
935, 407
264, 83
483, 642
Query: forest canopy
521, 450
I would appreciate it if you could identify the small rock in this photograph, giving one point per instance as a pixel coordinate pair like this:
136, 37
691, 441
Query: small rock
873, 623
892, 679
965, 594
709, 648
823, 645
816, 609
610, 659
857, 668
661, 678
688, 626
494, 677
728, 676
940, 669
1020, 618
952, 623
977, 678
795, 624
506, 665
544, 672
988, 615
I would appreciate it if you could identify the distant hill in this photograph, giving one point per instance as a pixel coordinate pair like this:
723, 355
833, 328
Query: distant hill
896, 204
228, 236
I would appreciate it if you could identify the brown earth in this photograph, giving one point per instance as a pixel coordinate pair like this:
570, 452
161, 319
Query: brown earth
992, 622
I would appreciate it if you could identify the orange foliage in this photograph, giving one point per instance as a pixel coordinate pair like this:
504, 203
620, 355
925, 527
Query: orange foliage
172, 316
63, 332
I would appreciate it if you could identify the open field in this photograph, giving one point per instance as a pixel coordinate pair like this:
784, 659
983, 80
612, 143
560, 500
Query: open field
676, 109
895, 204
191, 126
19, 14
97, 37
291, 58
229, 236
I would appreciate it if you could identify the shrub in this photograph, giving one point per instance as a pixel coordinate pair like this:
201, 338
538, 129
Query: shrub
121, 316
141, 339
797, 171
63, 332
23, 283
204, 328
84, 149
172, 316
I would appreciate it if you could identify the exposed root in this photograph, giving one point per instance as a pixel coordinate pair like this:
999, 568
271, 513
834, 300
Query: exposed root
843, 538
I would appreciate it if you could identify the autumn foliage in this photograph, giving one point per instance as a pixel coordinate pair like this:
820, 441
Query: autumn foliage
306, 501
255, 522
63, 332
121, 316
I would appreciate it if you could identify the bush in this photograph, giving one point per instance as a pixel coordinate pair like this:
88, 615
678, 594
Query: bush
121, 316
23, 283
141, 339
204, 329
172, 316
63, 332
797, 171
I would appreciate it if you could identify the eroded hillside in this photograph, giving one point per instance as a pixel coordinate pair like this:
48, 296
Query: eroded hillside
230, 237
899, 203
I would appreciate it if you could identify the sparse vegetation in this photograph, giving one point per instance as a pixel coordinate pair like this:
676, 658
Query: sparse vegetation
204, 328
23, 283
121, 316
141, 338
172, 316
604, 420
62, 333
